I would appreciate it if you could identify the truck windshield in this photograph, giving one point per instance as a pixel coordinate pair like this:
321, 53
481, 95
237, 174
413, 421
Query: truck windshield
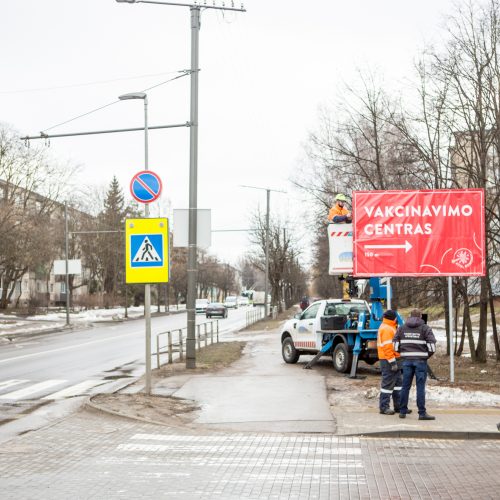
344, 309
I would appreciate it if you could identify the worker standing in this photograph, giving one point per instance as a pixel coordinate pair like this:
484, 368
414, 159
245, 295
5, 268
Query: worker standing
390, 384
416, 343
338, 213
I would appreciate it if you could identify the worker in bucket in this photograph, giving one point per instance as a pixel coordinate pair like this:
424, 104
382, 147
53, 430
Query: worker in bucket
391, 383
338, 214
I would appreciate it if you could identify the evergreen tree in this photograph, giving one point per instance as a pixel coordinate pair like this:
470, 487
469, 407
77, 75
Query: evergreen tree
111, 247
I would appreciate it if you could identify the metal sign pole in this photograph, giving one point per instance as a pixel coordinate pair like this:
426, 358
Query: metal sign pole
66, 243
147, 287
389, 294
450, 313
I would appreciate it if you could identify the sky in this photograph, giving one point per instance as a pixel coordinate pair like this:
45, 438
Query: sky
264, 74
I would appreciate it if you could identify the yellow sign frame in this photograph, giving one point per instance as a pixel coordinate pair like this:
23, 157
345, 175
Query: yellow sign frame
155, 234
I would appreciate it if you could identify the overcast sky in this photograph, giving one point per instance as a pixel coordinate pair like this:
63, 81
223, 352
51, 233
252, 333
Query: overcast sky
263, 75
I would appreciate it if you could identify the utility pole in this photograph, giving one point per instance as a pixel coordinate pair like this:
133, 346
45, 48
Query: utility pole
268, 203
195, 9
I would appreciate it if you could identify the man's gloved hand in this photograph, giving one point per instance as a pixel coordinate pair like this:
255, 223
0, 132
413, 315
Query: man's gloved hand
394, 367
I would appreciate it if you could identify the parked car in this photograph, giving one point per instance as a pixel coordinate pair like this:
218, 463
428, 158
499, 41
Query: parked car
243, 301
216, 309
231, 302
201, 305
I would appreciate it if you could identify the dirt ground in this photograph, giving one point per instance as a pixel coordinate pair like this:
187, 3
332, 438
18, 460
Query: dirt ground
169, 410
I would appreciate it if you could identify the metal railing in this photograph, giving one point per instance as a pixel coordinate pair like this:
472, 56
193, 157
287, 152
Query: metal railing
202, 333
274, 312
256, 314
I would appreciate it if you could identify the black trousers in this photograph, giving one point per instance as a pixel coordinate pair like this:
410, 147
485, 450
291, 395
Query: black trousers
390, 385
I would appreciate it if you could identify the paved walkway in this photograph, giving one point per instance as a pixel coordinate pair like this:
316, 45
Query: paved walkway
265, 431
262, 393
95, 456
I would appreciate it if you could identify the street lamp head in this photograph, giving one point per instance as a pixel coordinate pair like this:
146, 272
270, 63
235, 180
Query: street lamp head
125, 1
132, 95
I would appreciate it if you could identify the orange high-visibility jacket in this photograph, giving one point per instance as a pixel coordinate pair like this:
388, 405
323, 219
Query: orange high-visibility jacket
385, 347
336, 210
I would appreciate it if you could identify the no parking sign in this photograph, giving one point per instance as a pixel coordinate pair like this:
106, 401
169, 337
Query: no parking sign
146, 186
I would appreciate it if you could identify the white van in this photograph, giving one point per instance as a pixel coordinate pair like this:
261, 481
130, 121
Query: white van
231, 302
201, 305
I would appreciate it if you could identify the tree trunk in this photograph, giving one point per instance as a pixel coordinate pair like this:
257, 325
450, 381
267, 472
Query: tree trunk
462, 337
483, 322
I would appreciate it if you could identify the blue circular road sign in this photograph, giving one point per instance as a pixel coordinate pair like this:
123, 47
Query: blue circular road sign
145, 186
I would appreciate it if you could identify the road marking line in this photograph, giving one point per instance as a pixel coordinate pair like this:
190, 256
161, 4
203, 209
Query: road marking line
9, 383
24, 356
239, 439
32, 389
75, 390
208, 448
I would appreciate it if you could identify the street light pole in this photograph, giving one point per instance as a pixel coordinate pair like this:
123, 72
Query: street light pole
66, 244
147, 286
266, 286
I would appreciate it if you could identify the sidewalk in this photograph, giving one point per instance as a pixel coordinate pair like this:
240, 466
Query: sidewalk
261, 393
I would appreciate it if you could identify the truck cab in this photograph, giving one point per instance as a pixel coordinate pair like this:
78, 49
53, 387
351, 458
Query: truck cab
336, 321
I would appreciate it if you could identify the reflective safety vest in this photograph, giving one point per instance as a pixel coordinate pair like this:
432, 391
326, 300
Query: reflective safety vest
337, 210
385, 335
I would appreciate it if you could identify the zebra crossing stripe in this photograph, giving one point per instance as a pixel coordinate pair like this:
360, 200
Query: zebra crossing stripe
75, 390
32, 389
10, 383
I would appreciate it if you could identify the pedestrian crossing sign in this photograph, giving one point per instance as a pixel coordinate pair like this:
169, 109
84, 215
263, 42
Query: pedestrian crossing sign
146, 251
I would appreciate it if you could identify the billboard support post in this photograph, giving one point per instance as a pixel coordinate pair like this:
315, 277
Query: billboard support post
450, 315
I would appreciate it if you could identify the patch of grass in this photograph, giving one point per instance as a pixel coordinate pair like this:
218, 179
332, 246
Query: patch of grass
210, 358
477, 375
272, 324
220, 355
434, 312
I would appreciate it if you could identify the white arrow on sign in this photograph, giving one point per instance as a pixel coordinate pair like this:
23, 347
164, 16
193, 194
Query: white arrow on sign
407, 246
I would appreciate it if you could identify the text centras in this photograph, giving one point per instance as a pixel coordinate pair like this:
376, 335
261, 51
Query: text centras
407, 212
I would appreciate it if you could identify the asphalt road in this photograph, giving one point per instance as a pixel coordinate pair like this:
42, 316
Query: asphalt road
66, 364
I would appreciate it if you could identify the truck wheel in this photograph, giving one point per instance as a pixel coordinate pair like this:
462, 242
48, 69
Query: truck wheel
290, 354
342, 358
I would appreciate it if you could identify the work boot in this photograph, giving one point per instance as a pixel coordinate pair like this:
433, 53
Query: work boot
402, 415
387, 411
426, 416
407, 411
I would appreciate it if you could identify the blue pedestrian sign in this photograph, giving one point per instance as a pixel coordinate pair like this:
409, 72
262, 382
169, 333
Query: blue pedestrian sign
146, 250
145, 186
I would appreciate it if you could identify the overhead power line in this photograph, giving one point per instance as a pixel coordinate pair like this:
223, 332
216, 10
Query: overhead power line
184, 73
87, 84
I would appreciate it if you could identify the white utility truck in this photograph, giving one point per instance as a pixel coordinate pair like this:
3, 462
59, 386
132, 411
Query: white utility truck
333, 326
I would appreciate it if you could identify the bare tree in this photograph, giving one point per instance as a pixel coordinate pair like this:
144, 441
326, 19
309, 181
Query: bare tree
283, 257
31, 188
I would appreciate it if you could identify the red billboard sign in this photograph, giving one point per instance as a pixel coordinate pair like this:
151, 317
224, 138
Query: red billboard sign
419, 233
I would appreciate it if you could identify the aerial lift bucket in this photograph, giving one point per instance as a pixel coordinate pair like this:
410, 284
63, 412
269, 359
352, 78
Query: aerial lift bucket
340, 244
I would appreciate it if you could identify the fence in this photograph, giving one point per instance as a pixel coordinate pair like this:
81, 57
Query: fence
274, 312
256, 314
173, 346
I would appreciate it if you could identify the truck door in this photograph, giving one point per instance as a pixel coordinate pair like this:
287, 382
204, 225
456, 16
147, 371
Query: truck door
305, 327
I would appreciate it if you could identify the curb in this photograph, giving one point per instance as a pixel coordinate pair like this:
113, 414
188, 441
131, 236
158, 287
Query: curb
90, 405
457, 435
